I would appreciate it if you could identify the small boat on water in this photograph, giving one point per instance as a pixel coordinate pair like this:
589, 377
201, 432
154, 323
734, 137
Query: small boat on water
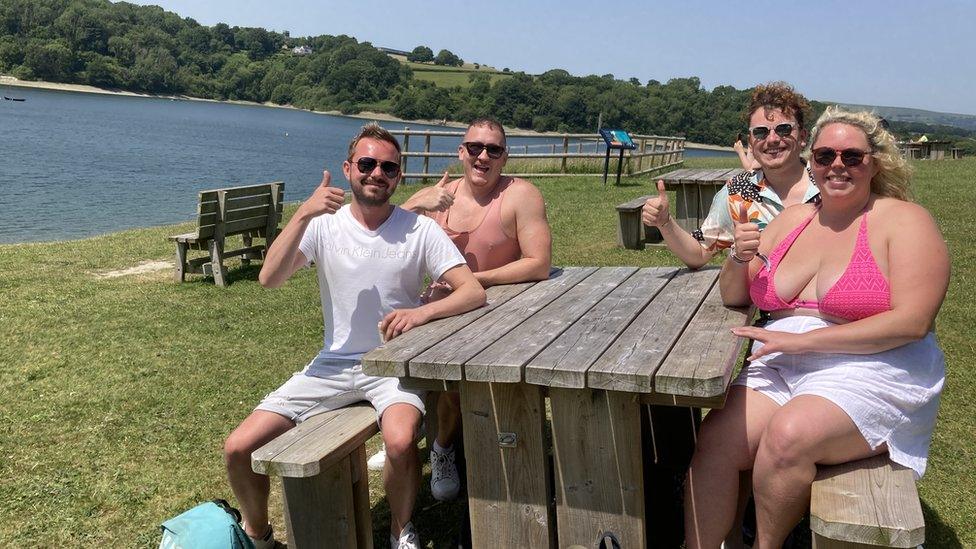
14, 98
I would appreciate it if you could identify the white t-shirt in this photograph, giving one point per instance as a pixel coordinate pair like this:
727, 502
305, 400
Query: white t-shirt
363, 274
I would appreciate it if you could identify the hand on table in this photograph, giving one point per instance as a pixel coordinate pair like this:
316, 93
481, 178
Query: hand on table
399, 321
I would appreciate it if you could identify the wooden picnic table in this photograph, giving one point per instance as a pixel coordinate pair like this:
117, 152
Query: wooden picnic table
600, 343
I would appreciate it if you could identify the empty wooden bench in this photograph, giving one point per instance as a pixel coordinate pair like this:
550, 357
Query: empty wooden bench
864, 504
250, 211
322, 465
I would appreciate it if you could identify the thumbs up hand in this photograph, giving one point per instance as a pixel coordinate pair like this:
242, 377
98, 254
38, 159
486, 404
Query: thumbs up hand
656, 211
325, 199
745, 234
432, 199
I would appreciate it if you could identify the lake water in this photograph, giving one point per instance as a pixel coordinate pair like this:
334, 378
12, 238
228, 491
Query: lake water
77, 164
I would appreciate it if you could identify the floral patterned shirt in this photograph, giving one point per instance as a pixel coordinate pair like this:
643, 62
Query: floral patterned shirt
716, 231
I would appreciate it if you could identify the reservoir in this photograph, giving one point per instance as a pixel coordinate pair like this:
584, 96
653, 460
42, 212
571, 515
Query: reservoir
76, 164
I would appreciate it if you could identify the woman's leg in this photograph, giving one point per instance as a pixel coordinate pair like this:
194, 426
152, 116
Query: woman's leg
726, 447
806, 431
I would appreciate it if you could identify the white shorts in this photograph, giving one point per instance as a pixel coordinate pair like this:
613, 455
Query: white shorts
892, 396
336, 385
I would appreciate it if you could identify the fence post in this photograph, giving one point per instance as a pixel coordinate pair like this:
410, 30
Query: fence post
426, 154
579, 146
406, 147
565, 151
640, 158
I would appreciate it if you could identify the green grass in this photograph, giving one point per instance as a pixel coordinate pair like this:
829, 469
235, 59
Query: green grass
117, 393
447, 77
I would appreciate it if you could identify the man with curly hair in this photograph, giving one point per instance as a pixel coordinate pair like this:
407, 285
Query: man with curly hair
777, 136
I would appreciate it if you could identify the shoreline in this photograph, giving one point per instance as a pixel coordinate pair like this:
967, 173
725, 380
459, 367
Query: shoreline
6, 80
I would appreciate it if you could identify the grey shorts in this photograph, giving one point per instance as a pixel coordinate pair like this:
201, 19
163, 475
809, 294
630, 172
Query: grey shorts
338, 386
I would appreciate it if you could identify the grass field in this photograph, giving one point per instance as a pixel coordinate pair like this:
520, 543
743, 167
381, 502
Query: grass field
447, 77
117, 392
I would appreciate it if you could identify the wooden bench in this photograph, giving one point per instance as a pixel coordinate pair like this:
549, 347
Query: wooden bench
250, 211
864, 504
322, 465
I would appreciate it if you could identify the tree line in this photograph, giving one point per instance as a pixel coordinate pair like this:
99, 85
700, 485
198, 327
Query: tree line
147, 49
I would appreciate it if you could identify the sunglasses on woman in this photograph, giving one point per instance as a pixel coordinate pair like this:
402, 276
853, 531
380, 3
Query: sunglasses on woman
474, 149
366, 165
824, 156
762, 132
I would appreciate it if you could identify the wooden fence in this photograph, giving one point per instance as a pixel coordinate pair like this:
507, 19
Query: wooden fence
654, 152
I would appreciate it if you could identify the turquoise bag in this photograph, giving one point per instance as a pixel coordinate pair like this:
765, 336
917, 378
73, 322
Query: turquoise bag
211, 525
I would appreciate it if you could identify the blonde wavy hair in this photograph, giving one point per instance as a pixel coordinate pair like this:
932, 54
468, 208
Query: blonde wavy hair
894, 172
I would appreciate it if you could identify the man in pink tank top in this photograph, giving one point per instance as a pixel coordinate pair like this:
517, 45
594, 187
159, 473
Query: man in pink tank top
499, 224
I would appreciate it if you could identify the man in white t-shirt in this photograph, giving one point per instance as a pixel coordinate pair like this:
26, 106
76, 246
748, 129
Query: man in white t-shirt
371, 259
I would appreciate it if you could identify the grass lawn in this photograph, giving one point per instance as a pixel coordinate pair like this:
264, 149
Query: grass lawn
117, 392
445, 77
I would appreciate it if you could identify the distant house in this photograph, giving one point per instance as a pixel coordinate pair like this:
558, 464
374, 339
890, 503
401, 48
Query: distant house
301, 50
393, 51
924, 148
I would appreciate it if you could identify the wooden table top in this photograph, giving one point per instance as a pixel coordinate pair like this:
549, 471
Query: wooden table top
699, 176
658, 331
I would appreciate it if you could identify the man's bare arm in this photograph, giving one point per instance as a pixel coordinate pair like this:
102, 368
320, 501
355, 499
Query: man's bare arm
467, 295
534, 238
284, 256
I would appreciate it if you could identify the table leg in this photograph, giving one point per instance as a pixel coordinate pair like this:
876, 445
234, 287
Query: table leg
508, 493
669, 441
599, 479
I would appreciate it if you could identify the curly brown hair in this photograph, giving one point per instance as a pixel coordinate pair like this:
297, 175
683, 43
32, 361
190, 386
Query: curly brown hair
782, 96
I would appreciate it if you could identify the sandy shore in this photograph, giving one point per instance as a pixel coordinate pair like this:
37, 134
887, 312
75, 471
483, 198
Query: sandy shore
364, 115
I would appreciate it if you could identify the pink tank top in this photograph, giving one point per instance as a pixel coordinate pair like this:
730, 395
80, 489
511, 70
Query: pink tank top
486, 246
860, 292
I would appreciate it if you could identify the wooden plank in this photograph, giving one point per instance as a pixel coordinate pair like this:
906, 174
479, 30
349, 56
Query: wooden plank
320, 511
565, 361
598, 467
249, 224
870, 501
246, 190
391, 358
445, 359
630, 363
360, 498
259, 212
712, 403
508, 491
503, 360
316, 443
629, 229
702, 361
635, 204
247, 202
674, 176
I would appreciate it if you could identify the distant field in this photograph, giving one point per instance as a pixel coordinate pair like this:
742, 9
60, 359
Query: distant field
446, 77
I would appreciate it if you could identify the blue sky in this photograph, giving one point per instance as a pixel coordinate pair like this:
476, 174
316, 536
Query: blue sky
895, 53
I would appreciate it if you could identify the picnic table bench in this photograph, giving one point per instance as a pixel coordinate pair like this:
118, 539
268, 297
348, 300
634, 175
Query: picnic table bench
322, 465
694, 188
249, 211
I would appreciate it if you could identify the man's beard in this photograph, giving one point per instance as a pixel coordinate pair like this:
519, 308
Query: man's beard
358, 190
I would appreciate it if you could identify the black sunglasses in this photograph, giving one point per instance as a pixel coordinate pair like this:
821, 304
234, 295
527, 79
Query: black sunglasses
367, 165
474, 149
762, 132
824, 156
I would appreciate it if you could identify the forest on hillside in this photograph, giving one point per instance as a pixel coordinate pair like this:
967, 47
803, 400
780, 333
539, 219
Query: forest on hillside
147, 49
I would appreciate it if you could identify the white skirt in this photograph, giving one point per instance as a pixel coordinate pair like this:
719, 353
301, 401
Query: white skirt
892, 396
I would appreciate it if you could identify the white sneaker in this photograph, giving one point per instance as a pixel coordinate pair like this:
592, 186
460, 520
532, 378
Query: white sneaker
444, 481
377, 460
266, 542
408, 538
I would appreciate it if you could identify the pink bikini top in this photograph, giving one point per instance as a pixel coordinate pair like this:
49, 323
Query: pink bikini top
486, 246
860, 292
